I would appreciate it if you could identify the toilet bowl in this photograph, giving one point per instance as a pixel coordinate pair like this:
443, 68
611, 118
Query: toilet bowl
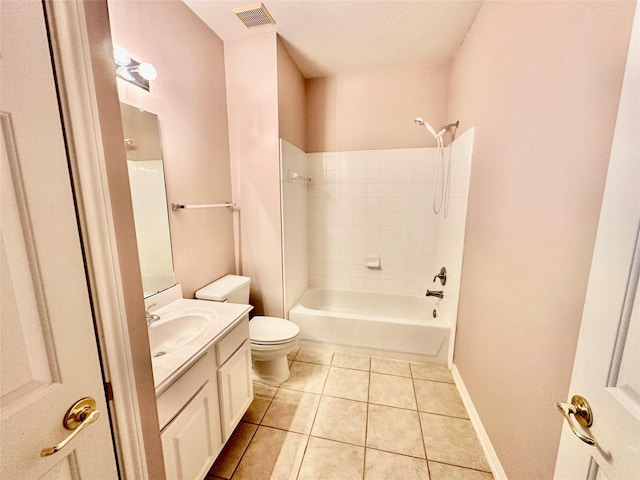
271, 338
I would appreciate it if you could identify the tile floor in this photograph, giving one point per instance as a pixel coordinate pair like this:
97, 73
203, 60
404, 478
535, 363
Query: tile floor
344, 416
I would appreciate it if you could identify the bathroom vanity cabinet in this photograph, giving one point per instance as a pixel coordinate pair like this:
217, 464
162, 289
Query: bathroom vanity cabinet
200, 410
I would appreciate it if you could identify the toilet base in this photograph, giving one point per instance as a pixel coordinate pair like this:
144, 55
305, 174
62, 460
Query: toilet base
272, 372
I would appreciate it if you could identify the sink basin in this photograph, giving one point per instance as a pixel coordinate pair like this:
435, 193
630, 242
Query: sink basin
177, 329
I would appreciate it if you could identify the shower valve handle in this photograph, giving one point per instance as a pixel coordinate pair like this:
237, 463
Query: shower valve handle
442, 276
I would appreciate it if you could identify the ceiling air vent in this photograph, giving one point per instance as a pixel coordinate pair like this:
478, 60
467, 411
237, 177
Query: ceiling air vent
255, 15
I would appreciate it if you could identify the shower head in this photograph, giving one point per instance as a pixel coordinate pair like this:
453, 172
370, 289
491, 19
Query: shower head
420, 121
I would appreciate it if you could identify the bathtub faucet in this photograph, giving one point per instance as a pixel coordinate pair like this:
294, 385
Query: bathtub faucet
434, 293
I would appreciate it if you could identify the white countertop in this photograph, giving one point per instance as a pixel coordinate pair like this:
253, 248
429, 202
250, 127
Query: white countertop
222, 317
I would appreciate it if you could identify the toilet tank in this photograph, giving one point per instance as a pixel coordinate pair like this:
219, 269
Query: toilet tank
230, 288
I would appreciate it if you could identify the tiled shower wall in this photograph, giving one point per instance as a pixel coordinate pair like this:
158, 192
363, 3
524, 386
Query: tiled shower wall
373, 203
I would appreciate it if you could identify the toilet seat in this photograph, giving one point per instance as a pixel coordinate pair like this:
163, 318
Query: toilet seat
271, 331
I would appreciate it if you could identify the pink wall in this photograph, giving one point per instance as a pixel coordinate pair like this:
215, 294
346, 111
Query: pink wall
540, 82
375, 110
190, 100
291, 100
252, 97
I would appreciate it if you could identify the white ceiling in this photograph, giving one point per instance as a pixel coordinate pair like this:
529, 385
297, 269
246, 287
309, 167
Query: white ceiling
327, 37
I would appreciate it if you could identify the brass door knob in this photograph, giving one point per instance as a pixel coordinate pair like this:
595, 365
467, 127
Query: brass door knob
81, 414
581, 410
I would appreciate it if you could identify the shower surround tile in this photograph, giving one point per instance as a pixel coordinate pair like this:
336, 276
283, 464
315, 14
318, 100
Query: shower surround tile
363, 189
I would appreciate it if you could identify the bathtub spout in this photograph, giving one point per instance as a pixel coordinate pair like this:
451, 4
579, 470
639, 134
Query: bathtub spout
434, 293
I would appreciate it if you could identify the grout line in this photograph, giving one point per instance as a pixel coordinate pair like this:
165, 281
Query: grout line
244, 451
344, 398
400, 454
444, 415
304, 454
347, 368
258, 425
434, 381
366, 424
424, 445
460, 466
337, 441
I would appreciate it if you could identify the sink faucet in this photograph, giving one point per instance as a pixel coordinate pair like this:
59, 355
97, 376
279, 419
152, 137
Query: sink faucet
434, 293
151, 317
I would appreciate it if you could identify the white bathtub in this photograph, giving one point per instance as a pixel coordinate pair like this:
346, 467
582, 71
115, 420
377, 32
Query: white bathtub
401, 326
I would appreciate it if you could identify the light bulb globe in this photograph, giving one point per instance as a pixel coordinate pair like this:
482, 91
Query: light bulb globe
121, 56
147, 71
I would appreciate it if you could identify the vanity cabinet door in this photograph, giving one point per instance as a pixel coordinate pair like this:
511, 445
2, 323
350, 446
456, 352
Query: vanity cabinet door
192, 440
235, 386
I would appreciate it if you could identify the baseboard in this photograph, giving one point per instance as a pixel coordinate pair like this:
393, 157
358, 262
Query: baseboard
487, 447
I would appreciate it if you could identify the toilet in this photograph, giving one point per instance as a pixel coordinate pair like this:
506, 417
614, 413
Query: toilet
272, 338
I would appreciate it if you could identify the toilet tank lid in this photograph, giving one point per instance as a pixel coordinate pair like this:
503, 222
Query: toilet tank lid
222, 288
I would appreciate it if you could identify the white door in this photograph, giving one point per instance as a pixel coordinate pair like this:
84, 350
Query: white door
48, 353
607, 364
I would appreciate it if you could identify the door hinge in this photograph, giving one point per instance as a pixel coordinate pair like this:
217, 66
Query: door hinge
108, 389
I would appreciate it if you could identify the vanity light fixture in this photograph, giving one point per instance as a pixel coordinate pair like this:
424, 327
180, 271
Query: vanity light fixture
132, 71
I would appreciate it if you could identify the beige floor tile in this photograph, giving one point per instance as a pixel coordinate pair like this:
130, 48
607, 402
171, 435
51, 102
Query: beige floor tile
392, 391
327, 460
440, 471
292, 410
346, 383
307, 377
272, 454
387, 466
351, 360
341, 420
262, 396
314, 355
438, 397
292, 356
391, 367
232, 452
394, 430
453, 441
431, 371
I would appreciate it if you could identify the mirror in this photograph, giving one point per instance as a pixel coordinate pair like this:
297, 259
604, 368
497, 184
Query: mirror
149, 197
